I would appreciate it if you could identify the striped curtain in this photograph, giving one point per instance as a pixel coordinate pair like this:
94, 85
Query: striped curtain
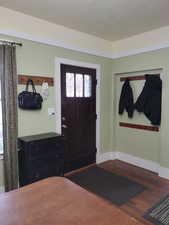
8, 76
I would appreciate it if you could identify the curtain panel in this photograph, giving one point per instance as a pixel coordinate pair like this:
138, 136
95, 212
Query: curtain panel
8, 76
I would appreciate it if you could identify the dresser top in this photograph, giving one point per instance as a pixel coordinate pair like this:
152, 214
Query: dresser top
39, 137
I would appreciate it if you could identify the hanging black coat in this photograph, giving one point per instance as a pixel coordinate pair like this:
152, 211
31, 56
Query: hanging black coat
126, 99
149, 101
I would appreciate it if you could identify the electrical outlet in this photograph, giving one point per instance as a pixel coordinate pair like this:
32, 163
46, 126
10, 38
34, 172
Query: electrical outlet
51, 111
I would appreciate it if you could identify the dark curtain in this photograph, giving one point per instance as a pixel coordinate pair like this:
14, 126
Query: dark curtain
8, 76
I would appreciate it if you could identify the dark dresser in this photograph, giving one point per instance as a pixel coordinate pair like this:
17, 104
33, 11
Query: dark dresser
40, 156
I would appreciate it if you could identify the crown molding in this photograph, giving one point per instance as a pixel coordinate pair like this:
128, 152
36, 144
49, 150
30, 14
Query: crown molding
82, 50
53, 43
141, 50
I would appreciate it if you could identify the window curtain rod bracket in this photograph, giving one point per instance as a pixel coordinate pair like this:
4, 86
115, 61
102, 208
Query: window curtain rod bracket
2, 41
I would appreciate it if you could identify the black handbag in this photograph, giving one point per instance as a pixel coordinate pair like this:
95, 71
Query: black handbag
30, 100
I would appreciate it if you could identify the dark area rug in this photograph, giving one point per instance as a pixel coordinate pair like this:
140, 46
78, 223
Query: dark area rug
110, 186
159, 214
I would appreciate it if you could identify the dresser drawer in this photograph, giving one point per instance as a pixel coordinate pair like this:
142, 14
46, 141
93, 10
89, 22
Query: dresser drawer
40, 156
44, 168
45, 147
46, 160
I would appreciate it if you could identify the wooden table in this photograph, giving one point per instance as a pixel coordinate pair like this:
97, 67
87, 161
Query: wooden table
58, 201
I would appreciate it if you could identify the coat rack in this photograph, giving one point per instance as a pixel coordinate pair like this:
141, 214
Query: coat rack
140, 77
38, 80
138, 126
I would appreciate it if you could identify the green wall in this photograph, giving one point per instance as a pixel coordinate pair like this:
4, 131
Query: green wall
147, 62
39, 59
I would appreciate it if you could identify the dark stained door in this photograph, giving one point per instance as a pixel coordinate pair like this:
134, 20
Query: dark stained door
78, 100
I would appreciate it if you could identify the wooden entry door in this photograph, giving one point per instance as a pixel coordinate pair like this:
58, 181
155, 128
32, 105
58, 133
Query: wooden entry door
78, 101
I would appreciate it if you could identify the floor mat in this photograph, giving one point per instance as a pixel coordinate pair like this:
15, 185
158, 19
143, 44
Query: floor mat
159, 214
115, 188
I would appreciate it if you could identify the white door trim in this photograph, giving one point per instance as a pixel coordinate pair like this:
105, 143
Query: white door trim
57, 85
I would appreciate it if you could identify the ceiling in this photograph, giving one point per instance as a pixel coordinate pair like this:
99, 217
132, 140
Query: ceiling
108, 19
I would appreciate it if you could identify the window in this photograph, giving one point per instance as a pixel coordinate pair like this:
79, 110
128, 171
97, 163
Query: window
1, 136
69, 84
88, 86
78, 85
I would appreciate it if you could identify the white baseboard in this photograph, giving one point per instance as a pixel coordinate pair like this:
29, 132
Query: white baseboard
103, 157
142, 163
2, 189
146, 164
164, 172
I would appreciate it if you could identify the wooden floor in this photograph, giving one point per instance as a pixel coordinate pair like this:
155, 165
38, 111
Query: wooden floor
156, 187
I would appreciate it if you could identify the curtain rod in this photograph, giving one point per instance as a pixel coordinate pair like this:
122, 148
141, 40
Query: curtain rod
10, 42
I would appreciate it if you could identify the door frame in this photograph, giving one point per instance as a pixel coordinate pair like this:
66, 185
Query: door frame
57, 86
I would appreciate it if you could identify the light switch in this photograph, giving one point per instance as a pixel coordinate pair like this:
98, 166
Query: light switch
51, 111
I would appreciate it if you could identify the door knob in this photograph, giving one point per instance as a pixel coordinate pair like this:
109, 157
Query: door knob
63, 118
64, 126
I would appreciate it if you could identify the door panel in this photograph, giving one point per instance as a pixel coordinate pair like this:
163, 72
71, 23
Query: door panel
78, 97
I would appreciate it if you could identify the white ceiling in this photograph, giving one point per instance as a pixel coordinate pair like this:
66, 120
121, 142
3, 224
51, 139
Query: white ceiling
108, 19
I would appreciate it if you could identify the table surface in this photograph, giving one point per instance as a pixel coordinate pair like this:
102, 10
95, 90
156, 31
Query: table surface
58, 201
